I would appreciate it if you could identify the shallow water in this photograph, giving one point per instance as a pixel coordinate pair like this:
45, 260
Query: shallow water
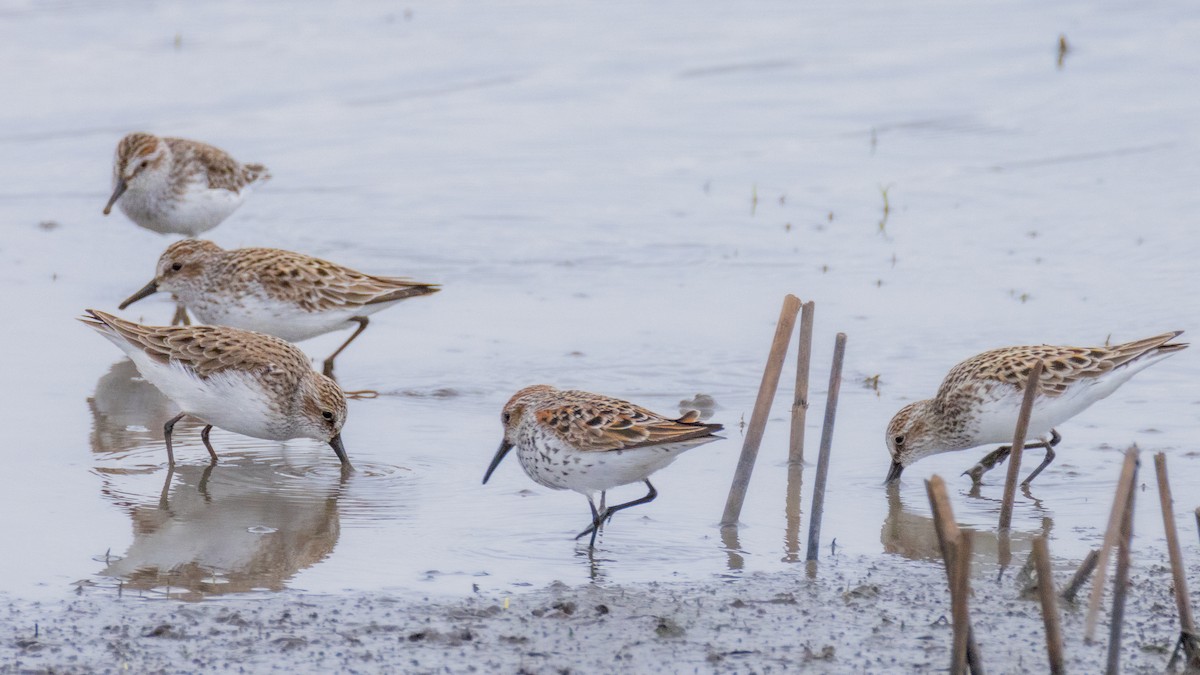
615, 199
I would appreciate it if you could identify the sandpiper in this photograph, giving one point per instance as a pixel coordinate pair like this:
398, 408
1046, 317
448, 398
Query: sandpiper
978, 402
177, 186
244, 382
575, 440
288, 295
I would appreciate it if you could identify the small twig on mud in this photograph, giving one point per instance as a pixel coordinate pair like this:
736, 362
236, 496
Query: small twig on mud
1081, 576
1054, 640
1111, 534
1187, 625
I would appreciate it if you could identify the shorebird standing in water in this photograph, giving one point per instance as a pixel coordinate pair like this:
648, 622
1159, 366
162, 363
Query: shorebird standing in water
177, 186
268, 290
248, 383
574, 440
980, 399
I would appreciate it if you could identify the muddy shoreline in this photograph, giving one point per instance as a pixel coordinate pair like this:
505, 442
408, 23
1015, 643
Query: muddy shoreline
854, 616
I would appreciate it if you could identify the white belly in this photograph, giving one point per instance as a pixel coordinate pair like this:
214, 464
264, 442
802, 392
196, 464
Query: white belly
197, 210
284, 320
232, 401
997, 417
554, 465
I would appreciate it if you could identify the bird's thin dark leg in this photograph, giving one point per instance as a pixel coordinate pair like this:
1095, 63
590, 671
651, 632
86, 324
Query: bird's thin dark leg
988, 463
167, 429
595, 517
204, 437
997, 456
181, 316
1049, 445
606, 513
362, 325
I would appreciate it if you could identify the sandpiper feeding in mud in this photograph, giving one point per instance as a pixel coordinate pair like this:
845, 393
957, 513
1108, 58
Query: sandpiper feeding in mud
248, 383
177, 186
978, 402
288, 295
575, 440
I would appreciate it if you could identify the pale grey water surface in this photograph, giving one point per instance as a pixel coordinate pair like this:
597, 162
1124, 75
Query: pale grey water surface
616, 197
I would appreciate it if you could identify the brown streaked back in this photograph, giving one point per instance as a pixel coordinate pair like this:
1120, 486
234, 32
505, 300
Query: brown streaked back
315, 284
222, 170
1062, 366
591, 422
207, 350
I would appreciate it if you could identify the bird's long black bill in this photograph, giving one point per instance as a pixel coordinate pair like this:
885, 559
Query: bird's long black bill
894, 473
117, 192
505, 446
149, 289
336, 444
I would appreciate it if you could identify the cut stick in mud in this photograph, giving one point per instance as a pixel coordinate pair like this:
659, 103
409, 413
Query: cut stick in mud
1187, 624
1111, 535
1120, 587
1050, 618
795, 466
1081, 576
800, 404
947, 532
762, 408
818, 499
960, 593
1018, 445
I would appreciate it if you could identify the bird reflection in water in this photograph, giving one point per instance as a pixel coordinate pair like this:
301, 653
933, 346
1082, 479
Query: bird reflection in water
911, 534
127, 411
248, 523
230, 528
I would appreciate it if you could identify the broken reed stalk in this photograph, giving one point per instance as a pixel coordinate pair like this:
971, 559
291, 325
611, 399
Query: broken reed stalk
947, 532
1045, 587
795, 466
961, 592
1111, 534
831, 400
800, 404
1018, 445
1081, 576
762, 408
1120, 588
1187, 623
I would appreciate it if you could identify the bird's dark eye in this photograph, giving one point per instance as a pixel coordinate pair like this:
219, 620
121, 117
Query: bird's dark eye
327, 415
177, 266
145, 163
899, 440
507, 417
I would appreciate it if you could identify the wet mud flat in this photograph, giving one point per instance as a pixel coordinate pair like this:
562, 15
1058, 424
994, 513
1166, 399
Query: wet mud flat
855, 615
